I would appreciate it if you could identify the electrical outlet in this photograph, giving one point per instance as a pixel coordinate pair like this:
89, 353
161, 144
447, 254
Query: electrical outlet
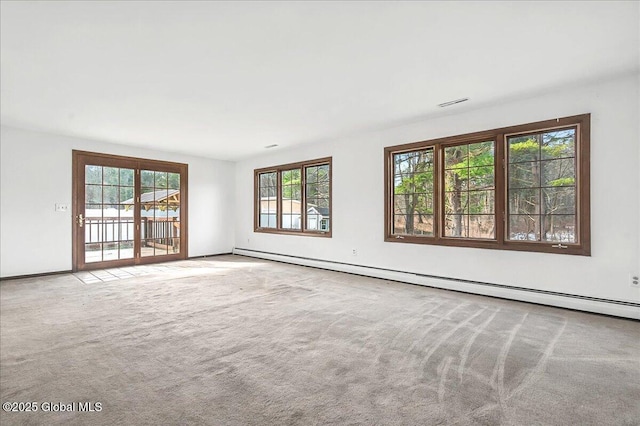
634, 280
354, 252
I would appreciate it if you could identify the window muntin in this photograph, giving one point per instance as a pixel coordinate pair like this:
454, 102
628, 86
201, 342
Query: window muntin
522, 188
294, 198
542, 186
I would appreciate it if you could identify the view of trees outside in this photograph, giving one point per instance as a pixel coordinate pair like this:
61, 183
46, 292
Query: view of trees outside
291, 186
413, 193
108, 186
469, 185
542, 186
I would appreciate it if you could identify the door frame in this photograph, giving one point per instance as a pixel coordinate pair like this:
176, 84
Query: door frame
79, 160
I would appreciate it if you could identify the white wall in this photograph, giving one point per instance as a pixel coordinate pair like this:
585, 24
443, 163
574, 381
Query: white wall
358, 191
36, 174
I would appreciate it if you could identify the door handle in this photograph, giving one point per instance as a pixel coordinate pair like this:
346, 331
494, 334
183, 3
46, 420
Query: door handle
80, 219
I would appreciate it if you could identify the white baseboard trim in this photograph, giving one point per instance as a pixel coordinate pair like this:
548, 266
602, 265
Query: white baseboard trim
580, 303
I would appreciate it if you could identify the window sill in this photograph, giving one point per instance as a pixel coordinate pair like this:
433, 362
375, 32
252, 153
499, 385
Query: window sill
322, 234
538, 247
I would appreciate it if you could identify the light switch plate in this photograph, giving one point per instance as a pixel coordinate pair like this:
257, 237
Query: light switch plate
62, 207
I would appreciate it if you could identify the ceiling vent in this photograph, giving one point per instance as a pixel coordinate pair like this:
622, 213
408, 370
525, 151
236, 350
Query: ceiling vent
457, 101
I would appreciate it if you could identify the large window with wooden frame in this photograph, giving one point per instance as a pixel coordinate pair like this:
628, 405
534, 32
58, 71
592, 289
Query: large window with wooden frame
294, 198
523, 188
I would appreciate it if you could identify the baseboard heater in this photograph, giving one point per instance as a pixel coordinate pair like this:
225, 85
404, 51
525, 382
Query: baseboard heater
543, 297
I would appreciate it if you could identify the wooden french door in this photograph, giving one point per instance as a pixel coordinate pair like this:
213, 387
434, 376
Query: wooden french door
127, 211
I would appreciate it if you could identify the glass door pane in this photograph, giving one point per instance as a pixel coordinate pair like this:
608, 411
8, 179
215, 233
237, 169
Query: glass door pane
108, 213
127, 211
159, 213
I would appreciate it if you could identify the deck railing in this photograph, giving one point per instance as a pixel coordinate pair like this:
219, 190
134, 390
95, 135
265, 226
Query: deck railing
153, 231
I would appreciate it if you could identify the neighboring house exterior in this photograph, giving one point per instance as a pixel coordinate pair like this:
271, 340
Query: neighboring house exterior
317, 217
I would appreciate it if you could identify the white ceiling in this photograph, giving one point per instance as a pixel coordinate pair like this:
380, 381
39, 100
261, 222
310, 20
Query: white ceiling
225, 79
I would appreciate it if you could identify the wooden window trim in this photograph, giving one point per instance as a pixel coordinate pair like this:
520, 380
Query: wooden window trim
302, 165
583, 125
79, 158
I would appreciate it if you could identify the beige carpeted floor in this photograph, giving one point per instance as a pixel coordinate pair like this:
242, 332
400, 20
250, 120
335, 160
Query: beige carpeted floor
233, 341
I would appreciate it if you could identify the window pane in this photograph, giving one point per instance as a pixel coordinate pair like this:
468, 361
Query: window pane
161, 180
111, 176
93, 194
560, 228
173, 180
524, 201
268, 179
126, 177
546, 210
126, 250
110, 195
291, 199
93, 174
267, 190
456, 179
469, 185
323, 189
93, 252
559, 172
323, 203
524, 175
147, 248
456, 225
413, 192
524, 148
312, 190
481, 154
147, 178
110, 251
558, 144
481, 202
456, 202
323, 173
482, 226
174, 246
312, 174
481, 177
524, 227
455, 157
416, 224
559, 200
313, 221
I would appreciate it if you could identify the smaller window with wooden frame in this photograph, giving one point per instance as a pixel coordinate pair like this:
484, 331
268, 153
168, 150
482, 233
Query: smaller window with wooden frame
523, 187
294, 199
